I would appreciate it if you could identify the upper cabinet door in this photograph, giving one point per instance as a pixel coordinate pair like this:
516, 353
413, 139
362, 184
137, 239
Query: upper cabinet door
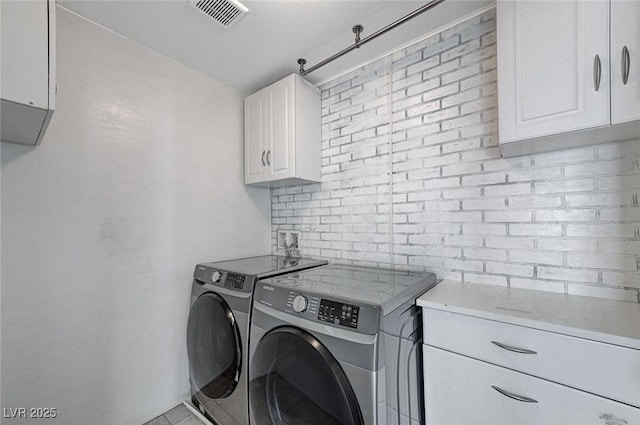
27, 86
281, 155
625, 60
553, 66
25, 52
255, 131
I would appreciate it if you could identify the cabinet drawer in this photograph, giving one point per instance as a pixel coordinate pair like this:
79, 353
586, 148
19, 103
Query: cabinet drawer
607, 370
460, 390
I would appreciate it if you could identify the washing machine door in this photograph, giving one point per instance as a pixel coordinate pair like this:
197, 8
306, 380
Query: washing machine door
296, 380
214, 347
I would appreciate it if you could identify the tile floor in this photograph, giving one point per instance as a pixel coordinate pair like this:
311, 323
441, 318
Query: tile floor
179, 415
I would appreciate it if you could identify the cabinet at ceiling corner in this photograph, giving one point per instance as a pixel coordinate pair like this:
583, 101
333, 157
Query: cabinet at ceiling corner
28, 69
568, 73
282, 134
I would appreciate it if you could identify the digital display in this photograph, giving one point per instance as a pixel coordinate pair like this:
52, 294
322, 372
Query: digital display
234, 281
338, 313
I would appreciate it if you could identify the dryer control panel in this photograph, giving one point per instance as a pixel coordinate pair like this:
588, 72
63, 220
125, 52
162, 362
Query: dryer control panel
223, 278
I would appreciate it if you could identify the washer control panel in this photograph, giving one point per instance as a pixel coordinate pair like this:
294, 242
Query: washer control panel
339, 313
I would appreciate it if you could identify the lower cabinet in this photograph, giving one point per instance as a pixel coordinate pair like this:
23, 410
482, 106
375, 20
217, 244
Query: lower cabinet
465, 391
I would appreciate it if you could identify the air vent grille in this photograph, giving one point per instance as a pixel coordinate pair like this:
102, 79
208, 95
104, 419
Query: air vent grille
224, 12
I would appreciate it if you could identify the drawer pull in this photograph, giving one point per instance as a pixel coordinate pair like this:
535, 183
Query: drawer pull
514, 349
514, 396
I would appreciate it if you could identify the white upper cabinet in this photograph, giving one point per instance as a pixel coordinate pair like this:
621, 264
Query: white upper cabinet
28, 69
282, 134
625, 61
546, 65
559, 76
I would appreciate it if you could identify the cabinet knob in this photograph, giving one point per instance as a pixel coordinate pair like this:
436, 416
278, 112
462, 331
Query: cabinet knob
269, 157
263, 164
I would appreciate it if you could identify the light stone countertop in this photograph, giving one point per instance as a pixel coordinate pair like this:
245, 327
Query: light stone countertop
609, 321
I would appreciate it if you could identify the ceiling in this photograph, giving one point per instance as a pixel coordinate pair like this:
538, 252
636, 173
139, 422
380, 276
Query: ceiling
265, 44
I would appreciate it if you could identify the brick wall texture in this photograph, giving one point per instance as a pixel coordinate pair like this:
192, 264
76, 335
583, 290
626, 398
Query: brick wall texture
412, 175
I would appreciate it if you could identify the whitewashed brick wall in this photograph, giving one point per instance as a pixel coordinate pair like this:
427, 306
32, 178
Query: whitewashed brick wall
443, 199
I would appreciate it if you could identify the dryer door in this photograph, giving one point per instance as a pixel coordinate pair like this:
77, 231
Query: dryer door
296, 380
213, 346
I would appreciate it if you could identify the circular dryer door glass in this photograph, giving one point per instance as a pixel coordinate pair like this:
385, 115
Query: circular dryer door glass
296, 380
213, 346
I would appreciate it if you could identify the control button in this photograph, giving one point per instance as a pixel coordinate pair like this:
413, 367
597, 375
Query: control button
300, 303
215, 276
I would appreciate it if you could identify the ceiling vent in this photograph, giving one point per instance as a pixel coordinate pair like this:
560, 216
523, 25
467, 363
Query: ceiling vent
224, 12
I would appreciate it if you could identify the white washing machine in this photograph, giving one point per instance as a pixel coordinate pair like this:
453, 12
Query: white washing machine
218, 332
337, 345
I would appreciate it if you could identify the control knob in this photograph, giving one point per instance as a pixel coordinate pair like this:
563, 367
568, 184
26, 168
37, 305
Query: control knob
300, 303
215, 276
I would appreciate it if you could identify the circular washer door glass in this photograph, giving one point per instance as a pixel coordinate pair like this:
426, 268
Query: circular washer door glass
213, 346
294, 379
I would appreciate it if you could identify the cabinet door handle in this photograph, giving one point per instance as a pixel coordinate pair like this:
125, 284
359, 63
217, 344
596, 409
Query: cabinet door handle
626, 65
263, 164
269, 157
514, 396
597, 72
514, 349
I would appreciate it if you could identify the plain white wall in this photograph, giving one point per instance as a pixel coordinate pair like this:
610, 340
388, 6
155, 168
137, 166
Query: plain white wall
138, 179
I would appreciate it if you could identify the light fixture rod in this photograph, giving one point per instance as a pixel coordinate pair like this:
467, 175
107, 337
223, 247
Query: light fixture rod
376, 34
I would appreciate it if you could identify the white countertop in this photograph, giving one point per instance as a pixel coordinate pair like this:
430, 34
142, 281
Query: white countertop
609, 321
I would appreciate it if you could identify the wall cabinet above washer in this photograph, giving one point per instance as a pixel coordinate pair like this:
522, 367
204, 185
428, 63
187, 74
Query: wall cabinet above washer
282, 134
568, 74
28, 70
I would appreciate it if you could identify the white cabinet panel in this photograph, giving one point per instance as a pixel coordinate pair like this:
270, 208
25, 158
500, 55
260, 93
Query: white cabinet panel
25, 56
625, 34
254, 134
547, 65
461, 390
280, 155
28, 69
